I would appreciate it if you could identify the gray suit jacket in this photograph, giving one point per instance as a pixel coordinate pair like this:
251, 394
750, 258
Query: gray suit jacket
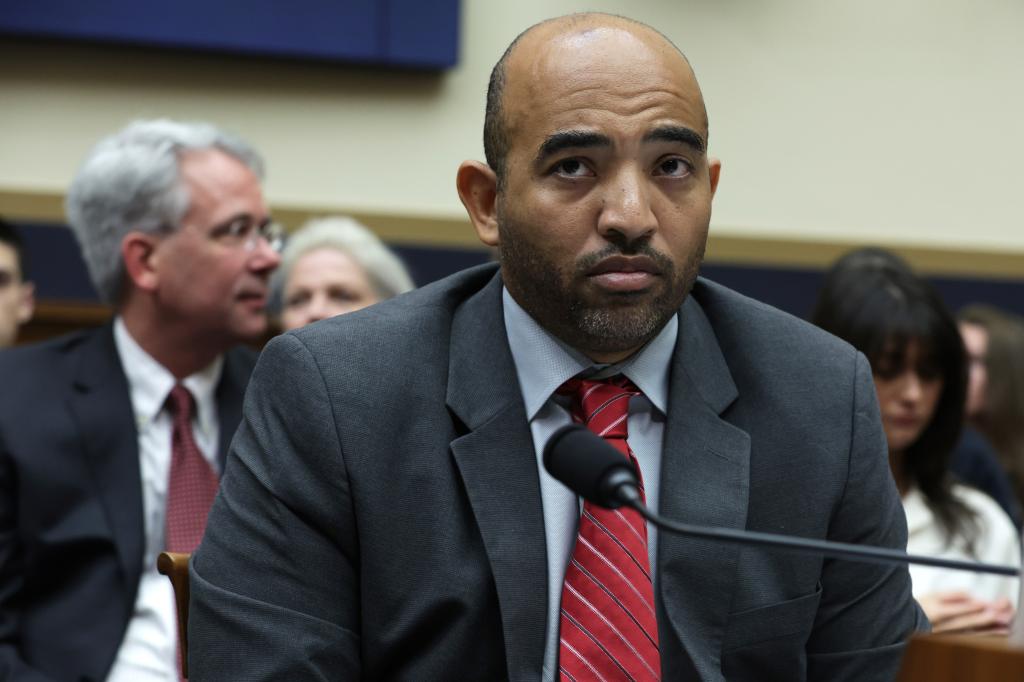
380, 514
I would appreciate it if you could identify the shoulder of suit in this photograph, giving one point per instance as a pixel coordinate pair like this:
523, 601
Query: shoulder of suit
48, 351
37, 373
759, 324
413, 317
763, 344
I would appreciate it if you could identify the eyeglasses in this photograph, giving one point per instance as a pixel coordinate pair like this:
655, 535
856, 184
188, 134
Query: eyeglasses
244, 232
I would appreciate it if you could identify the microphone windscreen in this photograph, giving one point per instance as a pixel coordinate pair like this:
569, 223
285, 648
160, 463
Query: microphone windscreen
584, 462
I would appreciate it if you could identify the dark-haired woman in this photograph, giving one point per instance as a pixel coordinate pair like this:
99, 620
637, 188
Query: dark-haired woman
914, 347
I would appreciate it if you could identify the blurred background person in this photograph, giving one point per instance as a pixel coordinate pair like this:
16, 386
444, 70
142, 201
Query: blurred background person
112, 440
920, 369
332, 266
17, 297
995, 397
974, 461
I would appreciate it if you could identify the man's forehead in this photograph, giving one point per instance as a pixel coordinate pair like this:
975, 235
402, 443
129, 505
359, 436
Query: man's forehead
585, 42
624, 68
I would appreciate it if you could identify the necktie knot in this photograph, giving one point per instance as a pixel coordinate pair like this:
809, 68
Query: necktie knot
601, 405
181, 403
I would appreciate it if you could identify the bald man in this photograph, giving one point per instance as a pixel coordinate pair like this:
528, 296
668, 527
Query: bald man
385, 514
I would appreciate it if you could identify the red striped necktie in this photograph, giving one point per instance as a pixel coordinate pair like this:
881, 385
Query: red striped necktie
608, 630
192, 482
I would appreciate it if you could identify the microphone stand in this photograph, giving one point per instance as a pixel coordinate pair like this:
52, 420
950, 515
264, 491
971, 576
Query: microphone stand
630, 497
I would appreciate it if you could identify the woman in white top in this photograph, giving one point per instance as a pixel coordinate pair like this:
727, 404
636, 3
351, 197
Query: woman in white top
874, 301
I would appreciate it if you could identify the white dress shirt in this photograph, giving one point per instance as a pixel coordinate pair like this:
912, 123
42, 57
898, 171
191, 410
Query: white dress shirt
149, 650
543, 363
996, 542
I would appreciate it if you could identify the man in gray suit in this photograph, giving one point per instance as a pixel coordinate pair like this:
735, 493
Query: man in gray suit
384, 514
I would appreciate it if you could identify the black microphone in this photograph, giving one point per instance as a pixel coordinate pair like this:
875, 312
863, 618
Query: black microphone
592, 468
598, 474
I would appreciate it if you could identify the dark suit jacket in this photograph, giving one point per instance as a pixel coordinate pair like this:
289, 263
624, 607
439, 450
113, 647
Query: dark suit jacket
71, 530
380, 515
975, 463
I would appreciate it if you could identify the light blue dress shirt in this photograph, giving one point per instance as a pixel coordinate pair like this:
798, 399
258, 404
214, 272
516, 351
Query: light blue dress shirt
543, 363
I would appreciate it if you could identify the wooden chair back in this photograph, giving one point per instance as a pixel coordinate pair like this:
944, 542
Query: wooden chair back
175, 566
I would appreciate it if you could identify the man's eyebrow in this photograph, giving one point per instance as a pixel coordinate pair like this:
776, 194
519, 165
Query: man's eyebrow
690, 138
223, 225
571, 139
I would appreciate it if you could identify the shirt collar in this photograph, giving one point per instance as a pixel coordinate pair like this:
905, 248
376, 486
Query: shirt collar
150, 382
543, 362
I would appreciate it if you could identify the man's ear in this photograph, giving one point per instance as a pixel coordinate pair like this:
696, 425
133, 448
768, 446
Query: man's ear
27, 304
478, 189
714, 171
137, 250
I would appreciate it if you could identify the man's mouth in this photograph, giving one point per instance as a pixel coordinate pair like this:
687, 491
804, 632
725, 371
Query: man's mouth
624, 273
253, 297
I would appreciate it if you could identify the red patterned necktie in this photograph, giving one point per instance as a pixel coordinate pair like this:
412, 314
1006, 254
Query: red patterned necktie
192, 482
608, 630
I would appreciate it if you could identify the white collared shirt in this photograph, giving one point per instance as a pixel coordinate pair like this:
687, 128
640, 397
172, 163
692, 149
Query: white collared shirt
543, 363
149, 650
996, 542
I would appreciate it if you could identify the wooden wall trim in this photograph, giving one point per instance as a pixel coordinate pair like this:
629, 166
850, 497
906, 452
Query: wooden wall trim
54, 318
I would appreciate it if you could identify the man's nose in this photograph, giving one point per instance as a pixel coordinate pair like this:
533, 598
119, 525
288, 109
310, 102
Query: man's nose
626, 211
265, 257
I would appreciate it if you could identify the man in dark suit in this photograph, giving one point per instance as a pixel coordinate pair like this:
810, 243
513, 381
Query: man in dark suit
111, 440
385, 515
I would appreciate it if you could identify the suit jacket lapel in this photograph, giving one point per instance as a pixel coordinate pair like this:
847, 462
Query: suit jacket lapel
499, 470
100, 405
704, 480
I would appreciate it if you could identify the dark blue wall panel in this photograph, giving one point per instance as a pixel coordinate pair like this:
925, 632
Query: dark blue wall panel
420, 34
55, 263
795, 290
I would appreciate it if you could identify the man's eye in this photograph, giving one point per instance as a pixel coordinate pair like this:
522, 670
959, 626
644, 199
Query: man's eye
233, 231
673, 167
573, 168
240, 228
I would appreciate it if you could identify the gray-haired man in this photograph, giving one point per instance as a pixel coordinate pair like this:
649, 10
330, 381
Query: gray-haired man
112, 440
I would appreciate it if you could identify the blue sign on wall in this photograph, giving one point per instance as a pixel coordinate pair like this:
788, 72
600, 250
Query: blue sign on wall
406, 33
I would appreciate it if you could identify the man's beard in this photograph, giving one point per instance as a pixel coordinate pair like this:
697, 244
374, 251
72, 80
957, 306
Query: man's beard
555, 297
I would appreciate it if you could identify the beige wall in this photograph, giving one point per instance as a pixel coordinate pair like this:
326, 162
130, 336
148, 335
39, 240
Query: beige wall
894, 122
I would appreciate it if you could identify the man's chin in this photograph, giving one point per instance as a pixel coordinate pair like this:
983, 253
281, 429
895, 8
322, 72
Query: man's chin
615, 328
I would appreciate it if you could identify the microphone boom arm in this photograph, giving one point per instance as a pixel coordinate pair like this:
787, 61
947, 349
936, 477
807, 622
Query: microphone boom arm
841, 550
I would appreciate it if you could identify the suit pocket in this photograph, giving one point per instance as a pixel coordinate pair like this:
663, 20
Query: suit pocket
784, 619
769, 642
